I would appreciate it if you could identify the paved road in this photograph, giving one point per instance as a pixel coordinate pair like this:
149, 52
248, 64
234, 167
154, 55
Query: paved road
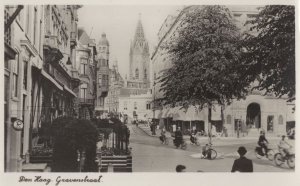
149, 155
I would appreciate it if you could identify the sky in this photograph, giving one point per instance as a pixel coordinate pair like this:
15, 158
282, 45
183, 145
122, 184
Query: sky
119, 23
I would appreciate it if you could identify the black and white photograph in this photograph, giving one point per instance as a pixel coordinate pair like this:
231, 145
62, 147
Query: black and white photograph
148, 88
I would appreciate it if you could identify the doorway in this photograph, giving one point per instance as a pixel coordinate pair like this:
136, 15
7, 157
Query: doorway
253, 116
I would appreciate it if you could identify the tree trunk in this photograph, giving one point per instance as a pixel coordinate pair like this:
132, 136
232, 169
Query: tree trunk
209, 122
222, 116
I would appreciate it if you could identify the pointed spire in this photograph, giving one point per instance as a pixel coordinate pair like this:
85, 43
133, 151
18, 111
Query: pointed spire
139, 32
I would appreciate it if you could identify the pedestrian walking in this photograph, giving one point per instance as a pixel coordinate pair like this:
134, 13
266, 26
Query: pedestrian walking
242, 164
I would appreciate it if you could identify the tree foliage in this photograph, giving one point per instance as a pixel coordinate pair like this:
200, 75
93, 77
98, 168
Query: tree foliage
71, 135
270, 55
206, 59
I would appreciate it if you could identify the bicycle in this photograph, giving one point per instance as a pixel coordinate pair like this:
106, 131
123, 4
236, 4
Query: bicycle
259, 153
210, 153
195, 141
164, 140
289, 158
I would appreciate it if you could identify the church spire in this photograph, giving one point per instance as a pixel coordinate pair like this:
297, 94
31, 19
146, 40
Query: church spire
139, 32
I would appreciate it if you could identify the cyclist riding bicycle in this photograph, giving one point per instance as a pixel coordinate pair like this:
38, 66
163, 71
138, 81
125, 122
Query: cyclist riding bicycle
284, 146
193, 137
262, 142
163, 136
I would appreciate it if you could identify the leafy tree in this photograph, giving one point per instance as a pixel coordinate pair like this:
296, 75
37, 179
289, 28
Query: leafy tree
270, 54
206, 60
71, 135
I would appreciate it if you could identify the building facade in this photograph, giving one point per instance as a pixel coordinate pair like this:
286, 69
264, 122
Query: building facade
135, 107
116, 83
102, 75
86, 54
257, 112
39, 48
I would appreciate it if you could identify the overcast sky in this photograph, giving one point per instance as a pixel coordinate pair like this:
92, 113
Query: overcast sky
119, 24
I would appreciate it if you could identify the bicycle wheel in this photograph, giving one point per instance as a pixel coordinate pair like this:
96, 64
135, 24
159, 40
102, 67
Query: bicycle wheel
270, 154
258, 153
278, 159
211, 154
291, 161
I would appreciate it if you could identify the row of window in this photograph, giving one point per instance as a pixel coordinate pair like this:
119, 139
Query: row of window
148, 105
269, 119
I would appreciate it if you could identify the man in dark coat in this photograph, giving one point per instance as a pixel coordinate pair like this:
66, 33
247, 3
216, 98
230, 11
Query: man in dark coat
242, 164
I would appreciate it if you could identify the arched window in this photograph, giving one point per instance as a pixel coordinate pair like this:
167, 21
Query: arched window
280, 120
136, 73
228, 119
145, 74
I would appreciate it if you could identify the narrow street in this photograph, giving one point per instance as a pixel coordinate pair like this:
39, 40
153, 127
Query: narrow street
149, 155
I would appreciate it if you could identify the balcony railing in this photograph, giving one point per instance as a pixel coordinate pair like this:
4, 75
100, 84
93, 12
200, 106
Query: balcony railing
86, 101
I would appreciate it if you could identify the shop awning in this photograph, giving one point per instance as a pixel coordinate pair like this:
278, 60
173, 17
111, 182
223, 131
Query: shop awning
171, 112
194, 114
179, 114
70, 91
47, 76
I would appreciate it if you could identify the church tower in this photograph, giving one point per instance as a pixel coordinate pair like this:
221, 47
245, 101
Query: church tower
102, 74
139, 59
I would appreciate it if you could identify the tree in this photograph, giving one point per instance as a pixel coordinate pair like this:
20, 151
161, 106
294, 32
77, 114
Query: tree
205, 57
70, 136
270, 54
